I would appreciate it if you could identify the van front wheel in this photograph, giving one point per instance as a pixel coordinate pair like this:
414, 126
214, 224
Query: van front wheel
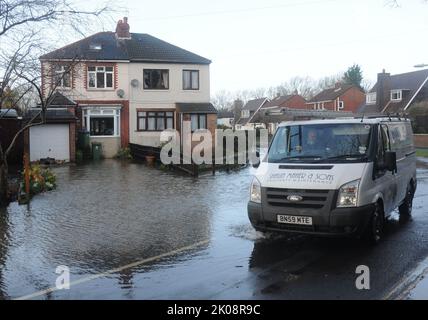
374, 231
405, 208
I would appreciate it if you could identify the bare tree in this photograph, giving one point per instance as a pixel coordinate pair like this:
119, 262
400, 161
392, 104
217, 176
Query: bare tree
23, 37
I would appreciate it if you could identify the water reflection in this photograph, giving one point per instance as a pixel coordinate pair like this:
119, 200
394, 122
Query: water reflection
102, 216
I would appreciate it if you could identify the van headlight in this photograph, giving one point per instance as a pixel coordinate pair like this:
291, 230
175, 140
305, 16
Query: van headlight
255, 191
348, 194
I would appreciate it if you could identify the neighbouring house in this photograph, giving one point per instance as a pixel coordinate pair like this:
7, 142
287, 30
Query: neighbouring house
250, 109
343, 97
396, 93
128, 87
56, 138
225, 118
277, 105
10, 124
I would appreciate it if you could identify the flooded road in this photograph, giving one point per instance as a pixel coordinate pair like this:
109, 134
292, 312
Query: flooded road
128, 231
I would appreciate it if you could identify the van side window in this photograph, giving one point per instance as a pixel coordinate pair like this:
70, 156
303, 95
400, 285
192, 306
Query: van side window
383, 144
385, 138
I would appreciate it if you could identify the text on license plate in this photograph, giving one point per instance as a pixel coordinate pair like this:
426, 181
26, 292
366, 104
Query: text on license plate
282, 218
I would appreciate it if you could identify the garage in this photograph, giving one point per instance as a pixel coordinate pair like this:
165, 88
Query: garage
50, 141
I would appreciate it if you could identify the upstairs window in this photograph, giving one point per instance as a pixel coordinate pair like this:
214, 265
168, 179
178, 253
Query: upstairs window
245, 113
190, 79
62, 76
396, 95
371, 98
156, 79
100, 77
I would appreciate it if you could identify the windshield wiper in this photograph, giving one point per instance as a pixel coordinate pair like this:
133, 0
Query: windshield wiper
298, 158
348, 157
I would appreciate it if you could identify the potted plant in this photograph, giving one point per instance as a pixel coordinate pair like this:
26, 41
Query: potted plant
150, 158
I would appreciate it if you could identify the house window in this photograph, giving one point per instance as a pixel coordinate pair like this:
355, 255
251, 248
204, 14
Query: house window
102, 121
245, 113
198, 121
340, 105
396, 95
157, 79
371, 98
100, 77
62, 76
191, 79
155, 120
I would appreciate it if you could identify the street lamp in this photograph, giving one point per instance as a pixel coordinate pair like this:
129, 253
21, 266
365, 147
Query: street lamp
421, 65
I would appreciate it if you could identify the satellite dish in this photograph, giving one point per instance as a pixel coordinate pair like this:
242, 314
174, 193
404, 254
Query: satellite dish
120, 93
134, 83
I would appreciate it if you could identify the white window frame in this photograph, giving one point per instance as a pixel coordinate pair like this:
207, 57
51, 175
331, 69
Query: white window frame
371, 98
102, 112
340, 105
63, 70
399, 94
97, 70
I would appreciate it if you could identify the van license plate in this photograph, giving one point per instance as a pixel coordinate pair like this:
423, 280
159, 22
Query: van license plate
282, 218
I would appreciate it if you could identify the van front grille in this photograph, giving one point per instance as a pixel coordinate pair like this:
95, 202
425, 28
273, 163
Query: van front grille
311, 199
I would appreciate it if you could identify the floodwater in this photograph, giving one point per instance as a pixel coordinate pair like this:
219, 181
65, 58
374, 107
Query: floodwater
128, 231
107, 215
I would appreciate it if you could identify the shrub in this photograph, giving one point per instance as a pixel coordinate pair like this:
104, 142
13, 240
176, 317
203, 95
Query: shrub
124, 154
41, 179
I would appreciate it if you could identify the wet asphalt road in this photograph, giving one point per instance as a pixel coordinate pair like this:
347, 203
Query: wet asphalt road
186, 239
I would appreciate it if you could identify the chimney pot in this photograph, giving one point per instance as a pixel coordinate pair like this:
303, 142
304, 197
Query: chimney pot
122, 29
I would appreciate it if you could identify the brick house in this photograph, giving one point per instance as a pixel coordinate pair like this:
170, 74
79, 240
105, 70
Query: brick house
129, 87
343, 97
396, 93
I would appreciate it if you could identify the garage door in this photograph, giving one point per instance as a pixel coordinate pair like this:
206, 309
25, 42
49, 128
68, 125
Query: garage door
50, 140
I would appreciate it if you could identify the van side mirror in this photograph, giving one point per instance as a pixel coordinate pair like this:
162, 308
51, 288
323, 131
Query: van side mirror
391, 161
257, 164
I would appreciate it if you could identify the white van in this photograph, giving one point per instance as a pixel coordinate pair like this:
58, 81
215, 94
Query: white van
335, 177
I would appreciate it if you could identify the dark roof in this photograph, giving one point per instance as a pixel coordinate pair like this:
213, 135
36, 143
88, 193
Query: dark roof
195, 108
225, 114
140, 47
8, 113
331, 93
254, 104
52, 115
408, 81
59, 100
277, 101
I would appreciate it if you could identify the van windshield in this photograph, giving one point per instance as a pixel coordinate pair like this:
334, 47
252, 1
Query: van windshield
343, 142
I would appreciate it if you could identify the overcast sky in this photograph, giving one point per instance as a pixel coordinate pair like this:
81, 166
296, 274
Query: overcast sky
255, 43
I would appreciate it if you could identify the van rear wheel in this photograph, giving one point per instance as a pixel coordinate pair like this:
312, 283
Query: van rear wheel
374, 231
405, 208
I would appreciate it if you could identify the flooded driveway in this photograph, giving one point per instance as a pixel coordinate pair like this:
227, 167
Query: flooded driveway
128, 231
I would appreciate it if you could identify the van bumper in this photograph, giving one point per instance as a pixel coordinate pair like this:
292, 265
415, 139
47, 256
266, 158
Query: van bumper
343, 221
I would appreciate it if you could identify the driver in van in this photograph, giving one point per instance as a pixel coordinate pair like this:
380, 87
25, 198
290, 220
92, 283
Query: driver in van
312, 137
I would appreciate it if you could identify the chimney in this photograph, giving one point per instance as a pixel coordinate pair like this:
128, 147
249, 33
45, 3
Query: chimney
337, 85
382, 90
122, 29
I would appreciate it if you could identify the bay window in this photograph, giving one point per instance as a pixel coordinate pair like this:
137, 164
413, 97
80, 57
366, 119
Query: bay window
102, 121
100, 77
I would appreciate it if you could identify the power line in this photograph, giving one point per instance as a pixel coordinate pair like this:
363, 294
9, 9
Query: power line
220, 12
